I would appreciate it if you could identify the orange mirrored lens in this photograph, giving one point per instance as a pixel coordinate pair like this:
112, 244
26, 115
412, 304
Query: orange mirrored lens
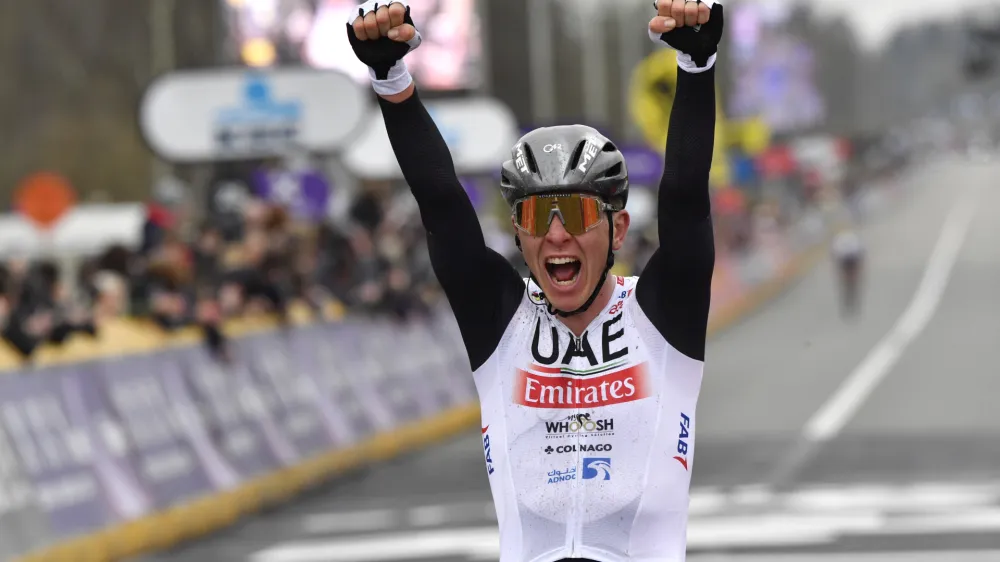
579, 213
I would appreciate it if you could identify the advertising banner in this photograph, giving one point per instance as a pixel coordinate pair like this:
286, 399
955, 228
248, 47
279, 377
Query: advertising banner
54, 454
138, 419
23, 526
288, 391
479, 131
87, 446
238, 114
232, 411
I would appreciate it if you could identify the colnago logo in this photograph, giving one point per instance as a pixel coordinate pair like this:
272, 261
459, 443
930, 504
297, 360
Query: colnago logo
589, 153
520, 160
486, 448
682, 446
547, 387
582, 448
579, 424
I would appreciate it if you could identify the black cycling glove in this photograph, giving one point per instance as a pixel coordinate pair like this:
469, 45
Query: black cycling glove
383, 56
696, 46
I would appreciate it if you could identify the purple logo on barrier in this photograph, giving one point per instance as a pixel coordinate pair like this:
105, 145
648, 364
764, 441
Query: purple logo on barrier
55, 455
293, 393
343, 412
387, 371
152, 426
344, 348
110, 441
231, 410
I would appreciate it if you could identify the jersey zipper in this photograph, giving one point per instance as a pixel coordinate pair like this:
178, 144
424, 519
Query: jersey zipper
573, 525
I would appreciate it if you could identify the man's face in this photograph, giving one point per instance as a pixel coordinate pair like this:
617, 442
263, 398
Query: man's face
569, 267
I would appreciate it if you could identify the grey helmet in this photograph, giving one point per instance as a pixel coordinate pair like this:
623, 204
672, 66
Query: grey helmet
569, 158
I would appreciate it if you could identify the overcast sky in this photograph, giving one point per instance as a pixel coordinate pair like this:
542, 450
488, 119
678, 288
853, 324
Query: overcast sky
876, 21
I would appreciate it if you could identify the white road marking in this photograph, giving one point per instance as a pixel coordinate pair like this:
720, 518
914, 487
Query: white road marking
432, 515
882, 556
916, 498
835, 414
979, 520
350, 522
477, 543
428, 516
928, 497
809, 516
781, 528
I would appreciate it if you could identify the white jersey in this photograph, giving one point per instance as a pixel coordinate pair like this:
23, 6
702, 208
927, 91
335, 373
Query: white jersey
589, 441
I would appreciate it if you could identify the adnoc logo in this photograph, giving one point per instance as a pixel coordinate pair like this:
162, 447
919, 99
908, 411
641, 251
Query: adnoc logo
597, 468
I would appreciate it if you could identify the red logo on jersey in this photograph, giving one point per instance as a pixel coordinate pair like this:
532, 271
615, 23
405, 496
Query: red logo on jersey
546, 388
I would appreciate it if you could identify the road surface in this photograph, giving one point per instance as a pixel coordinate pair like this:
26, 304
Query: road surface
819, 439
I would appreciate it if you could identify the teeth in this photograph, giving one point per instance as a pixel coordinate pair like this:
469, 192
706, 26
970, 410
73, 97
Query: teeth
559, 261
566, 283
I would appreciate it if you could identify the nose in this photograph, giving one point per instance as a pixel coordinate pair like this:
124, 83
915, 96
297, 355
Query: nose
557, 233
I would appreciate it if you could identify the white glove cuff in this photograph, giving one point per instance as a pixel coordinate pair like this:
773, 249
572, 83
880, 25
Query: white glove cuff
396, 82
687, 65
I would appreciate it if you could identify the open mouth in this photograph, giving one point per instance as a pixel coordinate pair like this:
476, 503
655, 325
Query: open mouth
563, 271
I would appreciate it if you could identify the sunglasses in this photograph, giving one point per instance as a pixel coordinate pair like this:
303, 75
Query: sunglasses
578, 213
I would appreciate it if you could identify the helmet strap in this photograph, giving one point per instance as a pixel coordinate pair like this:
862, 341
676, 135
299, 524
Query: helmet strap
597, 290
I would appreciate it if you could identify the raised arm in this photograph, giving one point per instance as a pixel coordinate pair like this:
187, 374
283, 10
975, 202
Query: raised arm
484, 290
675, 288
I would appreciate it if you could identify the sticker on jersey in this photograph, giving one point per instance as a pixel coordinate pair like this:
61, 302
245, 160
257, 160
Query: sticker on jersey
546, 387
557, 476
682, 444
589, 154
597, 469
486, 448
581, 448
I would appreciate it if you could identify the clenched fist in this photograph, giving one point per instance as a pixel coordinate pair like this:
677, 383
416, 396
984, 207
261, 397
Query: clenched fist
389, 20
692, 27
381, 34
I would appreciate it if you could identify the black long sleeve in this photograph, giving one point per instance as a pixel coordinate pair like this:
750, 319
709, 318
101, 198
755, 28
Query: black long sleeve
484, 290
675, 288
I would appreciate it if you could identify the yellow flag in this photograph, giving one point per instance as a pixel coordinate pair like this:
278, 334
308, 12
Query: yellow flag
651, 99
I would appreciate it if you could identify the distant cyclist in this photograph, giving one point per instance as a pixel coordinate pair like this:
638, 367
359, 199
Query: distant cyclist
848, 254
588, 381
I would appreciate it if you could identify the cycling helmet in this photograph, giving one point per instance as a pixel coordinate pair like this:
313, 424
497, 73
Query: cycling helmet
571, 158
568, 159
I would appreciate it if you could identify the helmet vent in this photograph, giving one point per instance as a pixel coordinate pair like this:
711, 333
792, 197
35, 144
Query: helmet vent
614, 171
574, 161
532, 164
504, 180
610, 147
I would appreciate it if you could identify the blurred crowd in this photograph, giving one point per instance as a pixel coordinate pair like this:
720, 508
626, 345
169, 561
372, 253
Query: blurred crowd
374, 261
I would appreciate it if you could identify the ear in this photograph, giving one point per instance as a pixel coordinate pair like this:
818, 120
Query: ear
621, 222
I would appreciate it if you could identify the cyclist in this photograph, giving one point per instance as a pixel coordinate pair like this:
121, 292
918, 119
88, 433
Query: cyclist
588, 382
848, 253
